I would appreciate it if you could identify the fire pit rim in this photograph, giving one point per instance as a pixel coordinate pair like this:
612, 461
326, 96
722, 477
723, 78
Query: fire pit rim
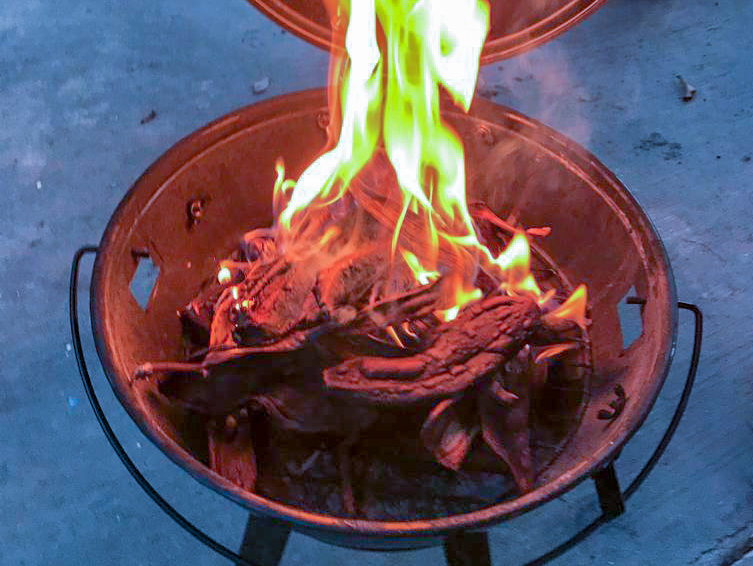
495, 49
195, 144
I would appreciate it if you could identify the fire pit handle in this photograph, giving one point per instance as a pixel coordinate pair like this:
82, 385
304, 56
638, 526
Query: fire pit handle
230, 555
605, 517
102, 419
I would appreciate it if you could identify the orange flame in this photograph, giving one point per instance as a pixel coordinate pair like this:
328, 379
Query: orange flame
554, 350
573, 309
423, 276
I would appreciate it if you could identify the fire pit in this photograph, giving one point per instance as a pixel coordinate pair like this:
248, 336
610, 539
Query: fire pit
189, 211
574, 194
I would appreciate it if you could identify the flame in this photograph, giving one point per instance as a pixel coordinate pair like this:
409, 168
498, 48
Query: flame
407, 329
573, 309
224, 275
423, 276
462, 298
327, 178
386, 93
513, 266
553, 351
330, 234
282, 186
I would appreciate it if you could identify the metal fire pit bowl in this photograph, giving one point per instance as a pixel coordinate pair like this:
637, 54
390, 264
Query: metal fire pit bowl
194, 203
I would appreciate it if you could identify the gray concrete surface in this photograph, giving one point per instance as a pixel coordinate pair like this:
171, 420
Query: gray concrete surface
77, 77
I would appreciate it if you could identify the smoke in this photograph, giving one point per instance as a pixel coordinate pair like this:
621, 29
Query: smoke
541, 84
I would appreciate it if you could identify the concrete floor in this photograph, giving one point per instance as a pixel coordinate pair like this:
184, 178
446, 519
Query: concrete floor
77, 77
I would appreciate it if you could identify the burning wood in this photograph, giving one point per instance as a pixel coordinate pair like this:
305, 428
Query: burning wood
484, 336
313, 352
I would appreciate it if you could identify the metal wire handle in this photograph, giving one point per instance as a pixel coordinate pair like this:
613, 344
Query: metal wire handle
114, 442
581, 535
230, 555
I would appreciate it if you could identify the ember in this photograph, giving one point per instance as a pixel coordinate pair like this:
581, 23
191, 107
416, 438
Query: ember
379, 289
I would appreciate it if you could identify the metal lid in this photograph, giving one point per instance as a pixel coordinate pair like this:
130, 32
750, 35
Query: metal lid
516, 25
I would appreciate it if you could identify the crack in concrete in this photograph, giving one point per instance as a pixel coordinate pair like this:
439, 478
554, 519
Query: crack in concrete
728, 549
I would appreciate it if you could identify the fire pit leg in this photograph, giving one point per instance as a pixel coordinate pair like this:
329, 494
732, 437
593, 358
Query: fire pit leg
608, 489
467, 549
264, 541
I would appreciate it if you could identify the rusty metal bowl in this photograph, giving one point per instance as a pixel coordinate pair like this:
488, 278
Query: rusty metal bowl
600, 236
515, 25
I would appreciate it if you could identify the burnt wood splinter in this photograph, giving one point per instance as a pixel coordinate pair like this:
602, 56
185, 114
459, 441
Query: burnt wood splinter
231, 451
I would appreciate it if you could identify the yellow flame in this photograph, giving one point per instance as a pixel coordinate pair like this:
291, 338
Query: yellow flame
224, 275
331, 233
515, 259
546, 297
423, 276
428, 45
574, 308
449, 314
513, 267
329, 175
389, 93
282, 186
462, 298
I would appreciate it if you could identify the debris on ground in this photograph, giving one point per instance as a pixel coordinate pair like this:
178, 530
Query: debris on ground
149, 117
261, 85
688, 90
